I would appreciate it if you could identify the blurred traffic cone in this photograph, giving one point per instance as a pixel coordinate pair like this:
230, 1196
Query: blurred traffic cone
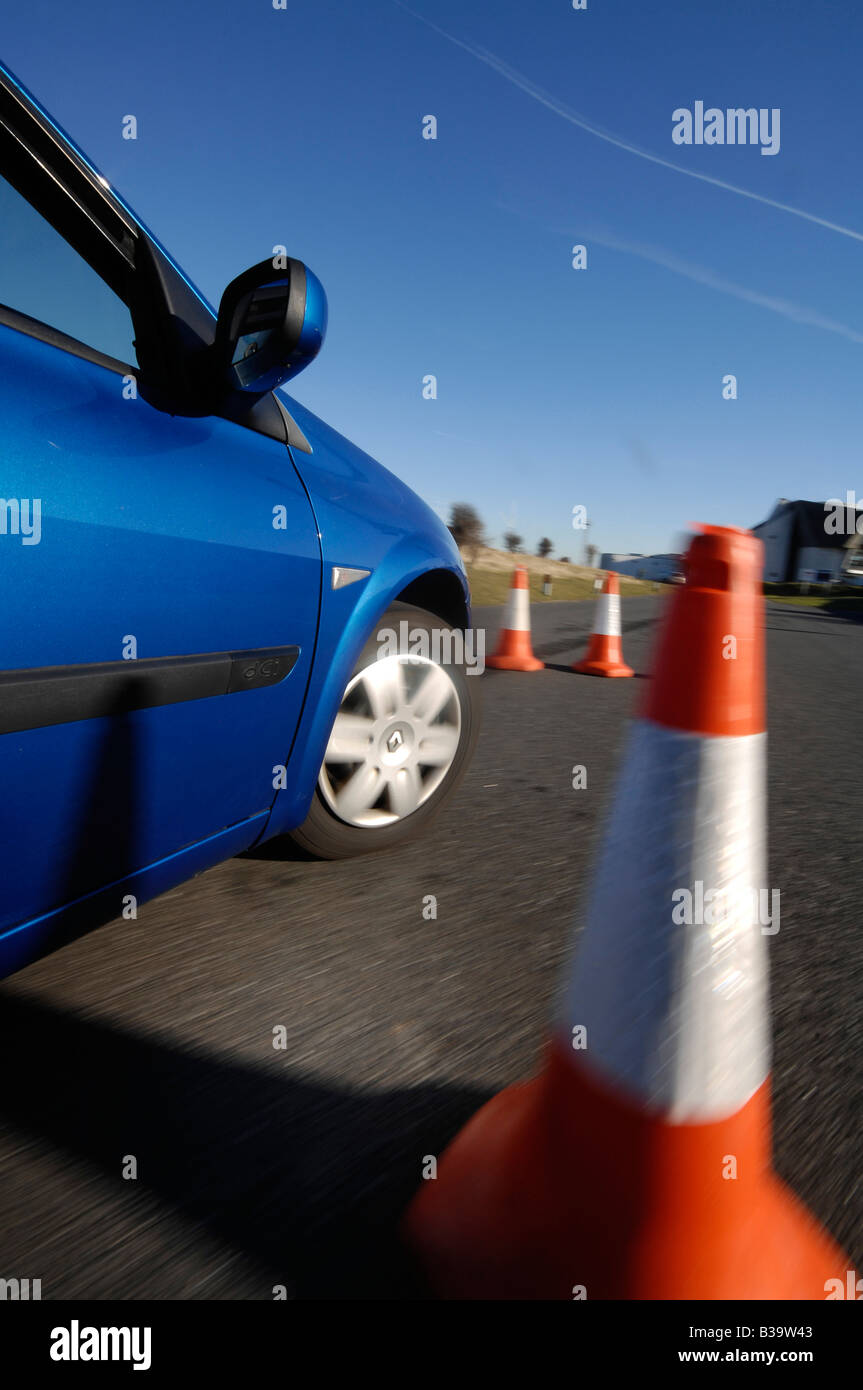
513, 651
604, 655
637, 1165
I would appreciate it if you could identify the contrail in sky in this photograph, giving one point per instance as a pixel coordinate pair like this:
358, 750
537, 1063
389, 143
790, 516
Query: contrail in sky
514, 77
668, 260
798, 313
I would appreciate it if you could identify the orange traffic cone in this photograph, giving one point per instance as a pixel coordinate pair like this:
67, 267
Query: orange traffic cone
513, 651
604, 655
637, 1165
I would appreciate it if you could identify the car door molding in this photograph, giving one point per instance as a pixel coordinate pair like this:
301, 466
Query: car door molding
41, 696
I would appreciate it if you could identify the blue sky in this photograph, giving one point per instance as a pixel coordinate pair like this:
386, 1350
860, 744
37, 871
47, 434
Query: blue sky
556, 387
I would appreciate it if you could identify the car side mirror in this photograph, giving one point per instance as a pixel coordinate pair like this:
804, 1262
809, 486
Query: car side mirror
271, 325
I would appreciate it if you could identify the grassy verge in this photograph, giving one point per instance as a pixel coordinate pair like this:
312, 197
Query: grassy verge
492, 586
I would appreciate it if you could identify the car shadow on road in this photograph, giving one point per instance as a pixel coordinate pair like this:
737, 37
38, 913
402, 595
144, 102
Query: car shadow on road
102, 838
832, 617
306, 1180
576, 638
282, 849
570, 671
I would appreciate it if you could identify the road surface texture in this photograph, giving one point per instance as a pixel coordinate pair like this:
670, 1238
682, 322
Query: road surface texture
259, 1167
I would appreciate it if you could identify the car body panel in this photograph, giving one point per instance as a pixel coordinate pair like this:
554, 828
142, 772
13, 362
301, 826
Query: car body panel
21, 945
367, 519
161, 527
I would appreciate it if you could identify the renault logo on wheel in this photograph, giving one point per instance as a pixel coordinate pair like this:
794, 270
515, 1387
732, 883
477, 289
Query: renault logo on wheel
395, 740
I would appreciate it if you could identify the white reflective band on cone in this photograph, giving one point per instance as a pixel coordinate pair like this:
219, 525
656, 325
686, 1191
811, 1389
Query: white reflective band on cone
607, 622
518, 611
676, 1016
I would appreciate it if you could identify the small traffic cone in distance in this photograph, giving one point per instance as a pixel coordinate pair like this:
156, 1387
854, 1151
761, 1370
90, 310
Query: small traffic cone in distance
637, 1165
513, 651
604, 655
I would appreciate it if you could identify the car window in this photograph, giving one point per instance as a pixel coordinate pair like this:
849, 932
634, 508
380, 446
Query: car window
42, 276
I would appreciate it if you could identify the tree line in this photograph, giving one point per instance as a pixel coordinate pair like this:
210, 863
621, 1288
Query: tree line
467, 530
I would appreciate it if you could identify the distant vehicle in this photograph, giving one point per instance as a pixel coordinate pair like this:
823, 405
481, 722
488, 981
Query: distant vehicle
852, 560
197, 573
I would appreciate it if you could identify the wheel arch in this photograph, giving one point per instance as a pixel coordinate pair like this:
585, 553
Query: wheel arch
439, 592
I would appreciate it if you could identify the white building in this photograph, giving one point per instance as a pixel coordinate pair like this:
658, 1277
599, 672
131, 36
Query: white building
800, 547
657, 567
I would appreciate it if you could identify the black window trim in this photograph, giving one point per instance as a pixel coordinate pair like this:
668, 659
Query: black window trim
122, 246
55, 337
170, 321
65, 193
45, 139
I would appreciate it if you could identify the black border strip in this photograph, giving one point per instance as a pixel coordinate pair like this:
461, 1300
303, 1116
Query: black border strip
40, 696
55, 337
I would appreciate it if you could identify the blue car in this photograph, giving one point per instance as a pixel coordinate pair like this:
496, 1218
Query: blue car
220, 621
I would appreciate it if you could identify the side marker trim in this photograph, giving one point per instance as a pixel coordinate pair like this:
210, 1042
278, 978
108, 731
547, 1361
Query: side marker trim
344, 575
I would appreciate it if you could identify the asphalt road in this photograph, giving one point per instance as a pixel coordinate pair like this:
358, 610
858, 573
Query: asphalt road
259, 1167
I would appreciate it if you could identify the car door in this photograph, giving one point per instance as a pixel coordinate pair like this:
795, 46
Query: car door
160, 578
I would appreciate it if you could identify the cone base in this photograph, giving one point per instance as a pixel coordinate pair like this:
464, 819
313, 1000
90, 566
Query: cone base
556, 1184
602, 668
515, 663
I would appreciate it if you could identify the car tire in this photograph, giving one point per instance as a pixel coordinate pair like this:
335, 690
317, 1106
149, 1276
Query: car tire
401, 742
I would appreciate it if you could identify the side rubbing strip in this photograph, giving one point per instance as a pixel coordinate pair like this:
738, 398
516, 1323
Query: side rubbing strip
45, 695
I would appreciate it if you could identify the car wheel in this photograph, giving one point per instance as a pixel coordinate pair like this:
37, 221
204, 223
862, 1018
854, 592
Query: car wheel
401, 742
